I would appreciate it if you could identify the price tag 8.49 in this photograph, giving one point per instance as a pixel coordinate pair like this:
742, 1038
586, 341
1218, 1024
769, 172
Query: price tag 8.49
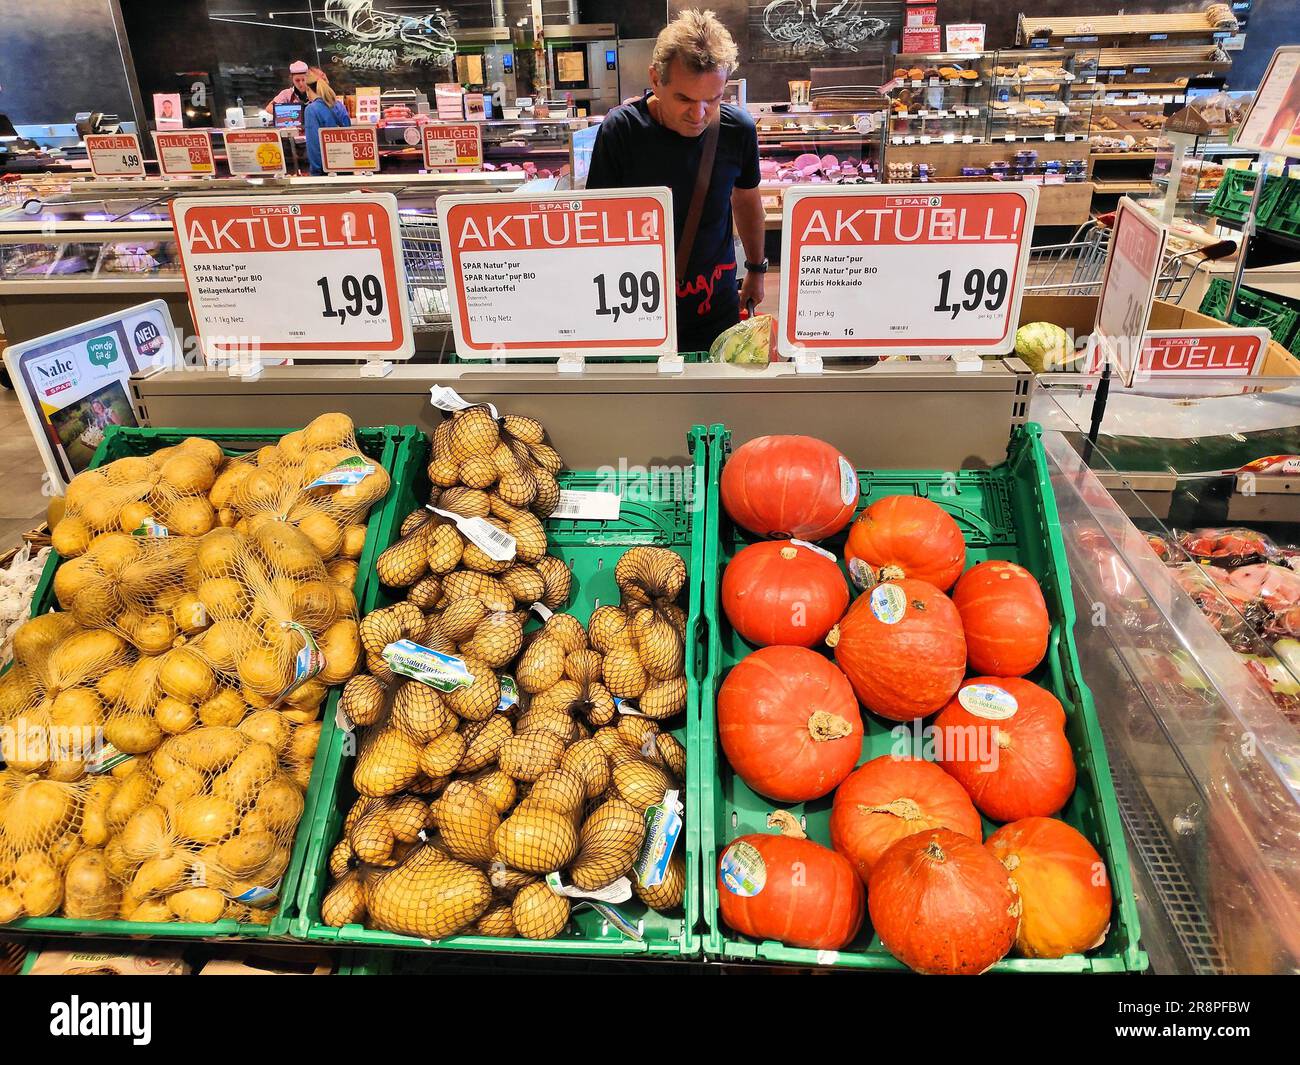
904, 269
299, 277
586, 273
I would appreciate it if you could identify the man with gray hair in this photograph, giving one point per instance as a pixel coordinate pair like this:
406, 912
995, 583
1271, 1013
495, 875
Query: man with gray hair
682, 135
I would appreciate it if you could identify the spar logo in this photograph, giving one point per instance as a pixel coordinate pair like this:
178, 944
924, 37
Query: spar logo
913, 201
55, 373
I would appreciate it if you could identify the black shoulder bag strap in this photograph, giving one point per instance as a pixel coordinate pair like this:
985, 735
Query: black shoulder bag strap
705, 174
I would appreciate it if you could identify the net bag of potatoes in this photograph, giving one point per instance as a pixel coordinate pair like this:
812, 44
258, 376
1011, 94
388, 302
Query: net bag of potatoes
505, 461
315, 478
161, 494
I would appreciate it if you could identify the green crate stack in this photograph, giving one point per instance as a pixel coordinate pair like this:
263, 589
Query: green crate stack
1231, 200
1284, 215
1005, 513
591, 549
389, 446
1255, 310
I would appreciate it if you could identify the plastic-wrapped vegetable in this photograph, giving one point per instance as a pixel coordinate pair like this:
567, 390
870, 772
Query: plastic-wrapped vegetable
747, 343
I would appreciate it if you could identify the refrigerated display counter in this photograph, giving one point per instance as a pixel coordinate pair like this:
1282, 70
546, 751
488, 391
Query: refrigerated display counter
108, 245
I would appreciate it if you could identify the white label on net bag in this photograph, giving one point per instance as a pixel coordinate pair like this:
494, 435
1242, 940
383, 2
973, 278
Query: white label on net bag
587, 506
493, 542
619, 891
449, 399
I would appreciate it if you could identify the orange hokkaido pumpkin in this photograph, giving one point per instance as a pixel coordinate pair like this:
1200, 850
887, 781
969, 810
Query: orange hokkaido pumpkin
905, 536
783, 592
789, 724
792, 890
942, 904
1004, 617
890, 798
789, 486
1063, 885
902, 648
1003, 739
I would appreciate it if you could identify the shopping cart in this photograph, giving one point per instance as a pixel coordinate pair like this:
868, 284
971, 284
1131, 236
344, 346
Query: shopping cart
426, 279
1076, 268
19, 190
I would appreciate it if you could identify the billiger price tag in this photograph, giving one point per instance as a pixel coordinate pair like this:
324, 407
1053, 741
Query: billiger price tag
932, 269
254, 152
185, 153
459, 145
347, 149
114, 155
585, 273
1137, 245
296, 277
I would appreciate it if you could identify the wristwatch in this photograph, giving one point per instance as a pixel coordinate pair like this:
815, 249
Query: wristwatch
756, 268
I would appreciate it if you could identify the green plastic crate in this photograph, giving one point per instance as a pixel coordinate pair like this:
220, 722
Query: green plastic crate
1255, 310
1006, 513
1231, 200
390, 446
1284, 217
591, 550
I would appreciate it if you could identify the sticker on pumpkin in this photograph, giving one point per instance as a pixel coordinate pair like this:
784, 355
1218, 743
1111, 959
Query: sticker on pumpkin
813, 547
888, 603
848, 482
988, 701
742, 869
862, 575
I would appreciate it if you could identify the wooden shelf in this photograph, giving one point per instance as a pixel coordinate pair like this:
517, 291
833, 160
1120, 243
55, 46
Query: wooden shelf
1189, 24
1202, 58
1120, 186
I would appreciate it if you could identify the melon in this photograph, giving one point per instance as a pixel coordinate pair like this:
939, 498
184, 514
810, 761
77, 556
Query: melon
1045, 347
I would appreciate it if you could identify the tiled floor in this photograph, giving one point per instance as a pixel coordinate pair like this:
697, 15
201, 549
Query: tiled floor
22, 474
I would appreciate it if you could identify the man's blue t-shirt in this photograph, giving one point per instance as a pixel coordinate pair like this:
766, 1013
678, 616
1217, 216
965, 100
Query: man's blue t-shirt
633, 149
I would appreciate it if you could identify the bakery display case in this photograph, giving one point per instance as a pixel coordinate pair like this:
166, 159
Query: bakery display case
939, 97
534, 146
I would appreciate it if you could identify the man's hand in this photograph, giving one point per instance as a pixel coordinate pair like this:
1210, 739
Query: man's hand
752, 288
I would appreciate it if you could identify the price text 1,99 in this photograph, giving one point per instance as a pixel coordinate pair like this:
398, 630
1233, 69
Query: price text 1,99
638, 292
977, 286
359, 293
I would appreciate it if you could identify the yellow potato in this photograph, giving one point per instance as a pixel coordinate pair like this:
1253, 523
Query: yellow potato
197, 905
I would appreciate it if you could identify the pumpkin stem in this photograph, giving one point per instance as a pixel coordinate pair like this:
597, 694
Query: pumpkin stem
823, 725
907, 809
1004, 738
1012, 862
833, 637
934, 852
788, 553
786, 823
891, 573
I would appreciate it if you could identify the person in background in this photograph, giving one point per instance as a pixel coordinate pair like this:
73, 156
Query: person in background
297, 91
324, 108
659, 139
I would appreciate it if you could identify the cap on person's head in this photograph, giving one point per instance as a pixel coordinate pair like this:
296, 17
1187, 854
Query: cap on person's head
297, 67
